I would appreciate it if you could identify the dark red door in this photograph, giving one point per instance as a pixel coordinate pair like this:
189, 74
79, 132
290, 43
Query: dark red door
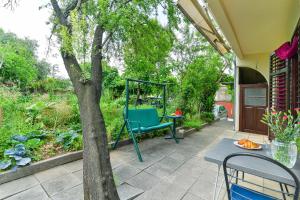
253, 102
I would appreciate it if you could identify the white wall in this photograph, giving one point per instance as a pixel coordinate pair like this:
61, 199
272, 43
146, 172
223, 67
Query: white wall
259, 62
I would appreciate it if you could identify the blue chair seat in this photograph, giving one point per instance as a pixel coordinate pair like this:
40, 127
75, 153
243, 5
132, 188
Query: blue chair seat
151, 128
238, 192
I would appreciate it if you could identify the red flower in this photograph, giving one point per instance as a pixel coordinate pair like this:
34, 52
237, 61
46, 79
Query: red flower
298, 123
274, 113
297, 109
285, 117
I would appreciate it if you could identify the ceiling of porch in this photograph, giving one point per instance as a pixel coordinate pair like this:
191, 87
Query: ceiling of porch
255, 26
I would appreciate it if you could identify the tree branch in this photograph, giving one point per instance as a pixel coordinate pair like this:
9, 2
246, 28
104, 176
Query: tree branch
59, 14
10, 4
71, 64
50, 38
108, 37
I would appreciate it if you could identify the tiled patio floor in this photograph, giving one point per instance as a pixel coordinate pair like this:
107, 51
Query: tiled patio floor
169, 172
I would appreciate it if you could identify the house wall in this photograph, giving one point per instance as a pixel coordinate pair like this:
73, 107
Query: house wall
259, 62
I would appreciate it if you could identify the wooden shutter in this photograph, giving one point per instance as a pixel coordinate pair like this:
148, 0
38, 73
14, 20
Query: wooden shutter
279, 87
284, 82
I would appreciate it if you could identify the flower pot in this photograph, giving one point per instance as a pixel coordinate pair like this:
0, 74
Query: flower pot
285, 153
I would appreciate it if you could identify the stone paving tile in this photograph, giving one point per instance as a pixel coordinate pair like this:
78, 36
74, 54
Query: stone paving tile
184, 181
181, 155
35, 193
164, 167
73, 166
170, 171
190, 170
13, 187
125, 172
59, 184
127, 192
75, 193
202, 189
143, 181
163, 191
50, 173
209, 176
79, 175
189, 196
147, 161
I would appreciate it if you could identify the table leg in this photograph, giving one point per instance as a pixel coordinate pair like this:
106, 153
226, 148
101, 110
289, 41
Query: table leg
216, 183
174, 131
217, 190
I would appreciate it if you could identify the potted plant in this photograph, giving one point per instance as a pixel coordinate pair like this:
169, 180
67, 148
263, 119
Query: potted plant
286, 127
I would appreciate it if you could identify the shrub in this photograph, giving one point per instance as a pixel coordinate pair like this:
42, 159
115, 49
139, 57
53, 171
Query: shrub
50, 85
207, 116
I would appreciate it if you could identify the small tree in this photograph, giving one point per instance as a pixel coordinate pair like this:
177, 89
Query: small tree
95, 28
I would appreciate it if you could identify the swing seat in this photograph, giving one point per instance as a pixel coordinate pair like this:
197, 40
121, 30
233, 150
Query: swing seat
141, 121
145, 120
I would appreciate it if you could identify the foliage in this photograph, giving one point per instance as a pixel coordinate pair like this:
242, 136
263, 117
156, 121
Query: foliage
70, 140
113, 83
195, 122
19, 62
29, 118
283, 125
50, 85
43, 69
16, 156
146, 51
199, 85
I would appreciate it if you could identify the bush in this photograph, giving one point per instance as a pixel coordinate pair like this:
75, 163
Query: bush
207, 116
50, 85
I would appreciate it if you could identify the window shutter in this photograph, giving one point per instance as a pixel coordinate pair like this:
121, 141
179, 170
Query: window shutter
279, 87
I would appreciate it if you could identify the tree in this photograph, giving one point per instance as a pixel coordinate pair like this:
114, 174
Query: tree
147, 50
187, 47
43, 69
201, 81
93, 27
18, 59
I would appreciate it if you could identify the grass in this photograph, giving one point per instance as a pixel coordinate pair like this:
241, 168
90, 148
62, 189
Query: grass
193, 123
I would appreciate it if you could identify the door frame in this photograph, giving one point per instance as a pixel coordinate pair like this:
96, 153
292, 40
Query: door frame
241, 98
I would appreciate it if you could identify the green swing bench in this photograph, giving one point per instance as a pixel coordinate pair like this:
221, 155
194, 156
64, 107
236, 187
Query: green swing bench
141, 121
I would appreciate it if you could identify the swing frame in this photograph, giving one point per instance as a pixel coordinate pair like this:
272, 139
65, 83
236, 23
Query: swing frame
149, 114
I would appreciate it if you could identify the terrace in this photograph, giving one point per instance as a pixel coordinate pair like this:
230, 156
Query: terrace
169, 171
180, 171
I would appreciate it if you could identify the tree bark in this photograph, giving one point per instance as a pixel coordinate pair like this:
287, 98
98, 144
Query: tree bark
98, 179
97, 173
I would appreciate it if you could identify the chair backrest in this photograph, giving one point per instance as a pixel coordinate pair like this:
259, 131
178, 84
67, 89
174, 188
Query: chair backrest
296, 180
146, 117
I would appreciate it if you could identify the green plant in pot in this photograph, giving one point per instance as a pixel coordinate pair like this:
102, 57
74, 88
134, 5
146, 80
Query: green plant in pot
286, 127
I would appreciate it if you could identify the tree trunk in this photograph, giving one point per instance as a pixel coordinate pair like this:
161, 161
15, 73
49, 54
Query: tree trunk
97, 172
98, 179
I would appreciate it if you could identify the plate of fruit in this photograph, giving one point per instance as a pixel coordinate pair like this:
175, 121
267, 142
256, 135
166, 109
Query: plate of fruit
247, 144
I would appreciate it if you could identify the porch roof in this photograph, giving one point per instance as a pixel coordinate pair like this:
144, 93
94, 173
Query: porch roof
250, 27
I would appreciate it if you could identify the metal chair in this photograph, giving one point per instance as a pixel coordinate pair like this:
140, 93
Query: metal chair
238, 192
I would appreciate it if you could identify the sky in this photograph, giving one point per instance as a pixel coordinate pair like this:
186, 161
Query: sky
27, 20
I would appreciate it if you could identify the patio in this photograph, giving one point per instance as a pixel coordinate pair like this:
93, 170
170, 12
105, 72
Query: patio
170, 171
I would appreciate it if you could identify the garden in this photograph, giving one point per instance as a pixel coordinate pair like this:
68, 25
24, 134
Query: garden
39, 112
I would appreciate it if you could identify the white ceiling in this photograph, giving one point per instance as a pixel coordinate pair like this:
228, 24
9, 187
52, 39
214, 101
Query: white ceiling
256, 26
